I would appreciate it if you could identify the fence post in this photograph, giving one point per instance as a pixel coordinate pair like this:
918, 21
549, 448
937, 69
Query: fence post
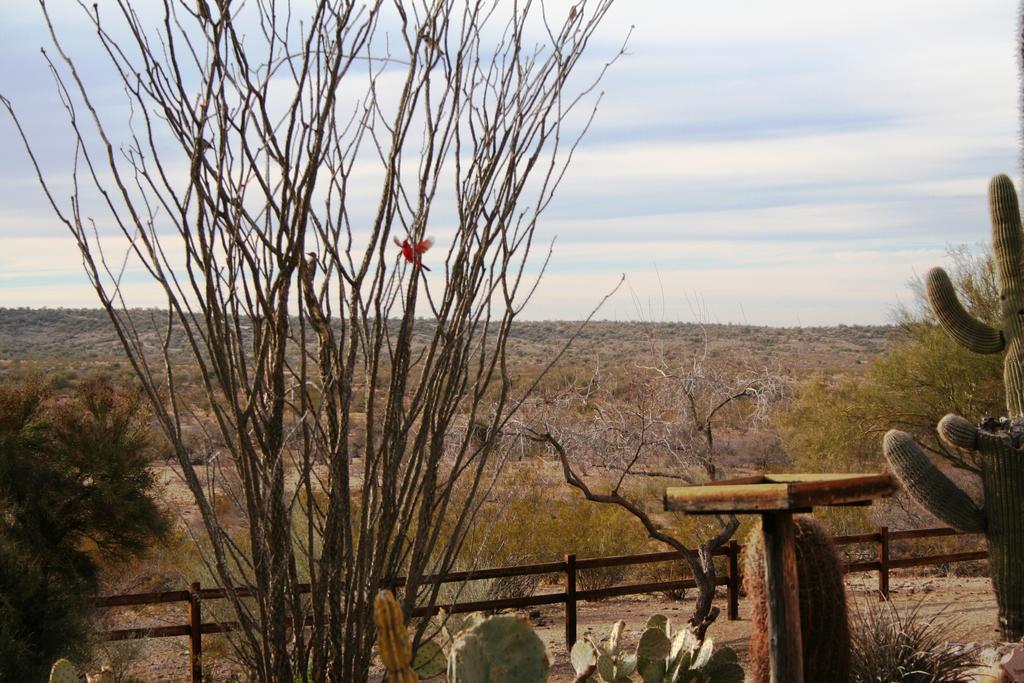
733, 587
570, 601
883, 563
195, 636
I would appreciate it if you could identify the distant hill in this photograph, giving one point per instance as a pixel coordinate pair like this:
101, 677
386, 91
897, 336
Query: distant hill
59, 340
794, 348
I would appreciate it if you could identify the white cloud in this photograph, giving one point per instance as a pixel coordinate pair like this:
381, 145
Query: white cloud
821, 287
24, 257
889, 155
800, 159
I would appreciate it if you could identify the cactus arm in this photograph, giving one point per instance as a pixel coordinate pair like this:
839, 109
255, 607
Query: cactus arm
1006, 230
958, 432
964, 328
931, 488
961, 433
1008, 244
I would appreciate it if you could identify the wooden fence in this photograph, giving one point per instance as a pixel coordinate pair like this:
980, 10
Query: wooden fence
569, 596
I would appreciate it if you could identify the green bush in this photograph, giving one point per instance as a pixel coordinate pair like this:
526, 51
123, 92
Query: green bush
836, 423
543, 524
75, 492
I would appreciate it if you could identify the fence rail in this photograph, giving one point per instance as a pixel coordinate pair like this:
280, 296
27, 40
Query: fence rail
569, 596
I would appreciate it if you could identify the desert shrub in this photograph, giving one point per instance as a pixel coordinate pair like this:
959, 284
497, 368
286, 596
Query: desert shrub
836, 423
848, 521
907, 647
480, 590
119, 656
694, 529
943, 545
75, 492
596, 530
543, 524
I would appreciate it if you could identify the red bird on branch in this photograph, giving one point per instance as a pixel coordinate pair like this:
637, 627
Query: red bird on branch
413, 254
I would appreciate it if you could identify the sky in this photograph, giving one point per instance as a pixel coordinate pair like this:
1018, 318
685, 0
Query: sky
779, 163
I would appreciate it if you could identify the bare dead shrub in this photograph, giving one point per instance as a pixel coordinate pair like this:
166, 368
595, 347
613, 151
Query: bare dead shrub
268, 158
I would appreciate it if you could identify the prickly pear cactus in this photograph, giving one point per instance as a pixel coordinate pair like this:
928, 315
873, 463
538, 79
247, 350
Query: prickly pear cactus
603, 665
660, 657
63, 671
501, 649
429, 661
823, 623
999, 443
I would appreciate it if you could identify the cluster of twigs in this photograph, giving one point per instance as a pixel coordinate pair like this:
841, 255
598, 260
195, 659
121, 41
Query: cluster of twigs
270, 157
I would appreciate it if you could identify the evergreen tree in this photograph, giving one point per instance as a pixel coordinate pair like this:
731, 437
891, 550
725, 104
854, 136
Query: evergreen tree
75, 492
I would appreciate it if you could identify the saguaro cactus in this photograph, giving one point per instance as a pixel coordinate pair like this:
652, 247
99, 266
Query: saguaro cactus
998, 442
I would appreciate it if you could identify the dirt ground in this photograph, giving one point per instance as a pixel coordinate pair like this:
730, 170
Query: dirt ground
967, 601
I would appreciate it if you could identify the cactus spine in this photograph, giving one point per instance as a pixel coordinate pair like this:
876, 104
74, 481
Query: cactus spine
823, 622
999, 443
393, 639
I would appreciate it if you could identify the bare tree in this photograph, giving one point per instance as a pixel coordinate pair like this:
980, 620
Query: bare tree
270, 163
614, 429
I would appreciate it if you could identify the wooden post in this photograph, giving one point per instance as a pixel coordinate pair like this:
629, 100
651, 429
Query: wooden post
570, 601
783, 592
883, 563
195, 636
733, 587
